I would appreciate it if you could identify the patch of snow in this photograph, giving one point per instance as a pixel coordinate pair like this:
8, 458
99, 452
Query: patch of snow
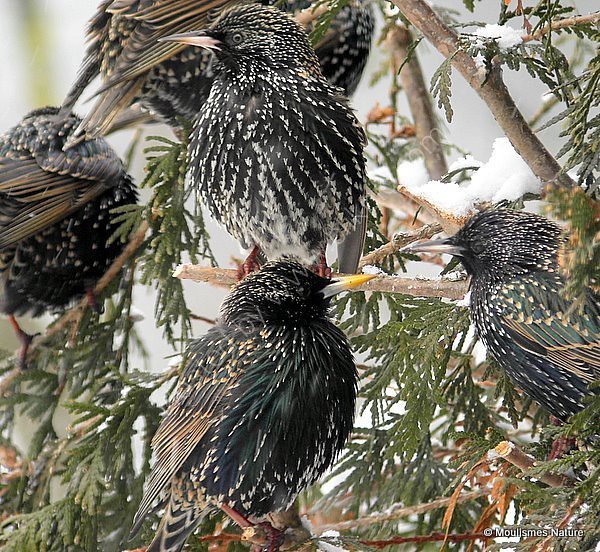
327, 547
370, 269
412, 173
506, 37
466, 162
504, 176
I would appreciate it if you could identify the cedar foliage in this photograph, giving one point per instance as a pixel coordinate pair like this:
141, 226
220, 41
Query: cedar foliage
429, 411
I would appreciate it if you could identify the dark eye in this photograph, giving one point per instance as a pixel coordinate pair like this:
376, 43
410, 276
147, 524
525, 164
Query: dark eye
236, 38
477, 247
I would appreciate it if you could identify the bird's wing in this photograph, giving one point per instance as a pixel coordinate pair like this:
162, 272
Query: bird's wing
39, 192
212, 371
551, 327
142, 51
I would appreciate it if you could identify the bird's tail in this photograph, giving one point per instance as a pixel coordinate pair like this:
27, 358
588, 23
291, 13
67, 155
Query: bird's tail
177, 525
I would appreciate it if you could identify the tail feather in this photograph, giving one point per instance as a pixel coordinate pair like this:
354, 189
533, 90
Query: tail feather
174, 529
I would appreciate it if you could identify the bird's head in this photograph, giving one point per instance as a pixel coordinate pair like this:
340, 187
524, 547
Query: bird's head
254, 34
500, 243
284, 291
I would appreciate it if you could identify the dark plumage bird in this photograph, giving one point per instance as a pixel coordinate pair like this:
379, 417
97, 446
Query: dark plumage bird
173, 81
276, 151
55, 216
548, 347
264, 405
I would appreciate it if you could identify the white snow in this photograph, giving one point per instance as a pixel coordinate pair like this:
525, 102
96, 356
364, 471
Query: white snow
506, 37
370, 269
327, 547
504, 176
412, 173
465, 301
466, 162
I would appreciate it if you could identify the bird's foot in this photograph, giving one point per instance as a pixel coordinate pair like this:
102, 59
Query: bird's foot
25, 340
321, 267
92, 302
561, 446
274, 537
250, 265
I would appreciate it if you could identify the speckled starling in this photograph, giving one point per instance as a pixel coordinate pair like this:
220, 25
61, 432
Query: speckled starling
173, 81
549, 347
55, 218
264, 404
276, 151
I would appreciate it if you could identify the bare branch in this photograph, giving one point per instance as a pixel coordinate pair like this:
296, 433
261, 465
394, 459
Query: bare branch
491, 89
398, 242
449, 289
419, 100
398, 512
563, 24
511, 453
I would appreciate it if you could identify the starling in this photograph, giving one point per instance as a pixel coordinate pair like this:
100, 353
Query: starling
548, 347
55, 214
276, 151
263, 407
173, 81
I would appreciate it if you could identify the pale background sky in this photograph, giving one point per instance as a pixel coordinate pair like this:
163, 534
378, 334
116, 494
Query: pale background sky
62, 22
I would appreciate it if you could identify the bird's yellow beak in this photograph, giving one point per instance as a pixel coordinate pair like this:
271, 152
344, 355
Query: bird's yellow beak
345, 283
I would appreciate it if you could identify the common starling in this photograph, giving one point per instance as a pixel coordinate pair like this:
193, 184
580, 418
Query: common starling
549, 347
173, 81
276, 151
55, 218
264, 405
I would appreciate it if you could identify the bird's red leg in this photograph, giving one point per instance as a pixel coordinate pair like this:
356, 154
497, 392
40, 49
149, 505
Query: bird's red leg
242, 521
250, 264
274, 537
24, 338
321, 267
562, 445
91, 299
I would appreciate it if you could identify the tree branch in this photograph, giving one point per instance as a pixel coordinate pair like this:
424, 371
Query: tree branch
398, 512
418, 287
511, 453
398, 242
419, 101
491, 89
563, 24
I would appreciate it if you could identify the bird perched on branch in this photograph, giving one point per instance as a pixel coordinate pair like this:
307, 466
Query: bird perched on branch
264, 405
548, 346
173, 81
55, 215
276, 151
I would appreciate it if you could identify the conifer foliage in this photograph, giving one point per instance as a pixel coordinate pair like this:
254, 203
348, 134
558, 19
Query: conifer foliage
444, 446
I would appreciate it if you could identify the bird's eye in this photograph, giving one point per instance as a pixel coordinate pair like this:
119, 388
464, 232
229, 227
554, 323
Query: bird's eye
477, 247
236, 38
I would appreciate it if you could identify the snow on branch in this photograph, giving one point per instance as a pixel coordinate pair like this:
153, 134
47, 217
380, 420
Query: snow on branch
491, 89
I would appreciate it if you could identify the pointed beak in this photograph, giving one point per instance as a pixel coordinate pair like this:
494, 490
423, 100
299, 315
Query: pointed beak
345, 283
433, 246
201, 39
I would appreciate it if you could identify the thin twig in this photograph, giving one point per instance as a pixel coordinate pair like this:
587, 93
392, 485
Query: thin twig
491, 89
398, 512
432, 537
417, 287
511, 453
563, 24
398, 242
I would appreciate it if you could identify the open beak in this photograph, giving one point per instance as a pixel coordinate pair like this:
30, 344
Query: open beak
345, 283
201, 39
433, 246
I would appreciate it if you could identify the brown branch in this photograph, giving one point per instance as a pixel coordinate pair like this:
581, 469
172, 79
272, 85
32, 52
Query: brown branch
563, 24
449, 289
395, 513
419, 101
308, 16
491, 89
511, 453
398, 242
